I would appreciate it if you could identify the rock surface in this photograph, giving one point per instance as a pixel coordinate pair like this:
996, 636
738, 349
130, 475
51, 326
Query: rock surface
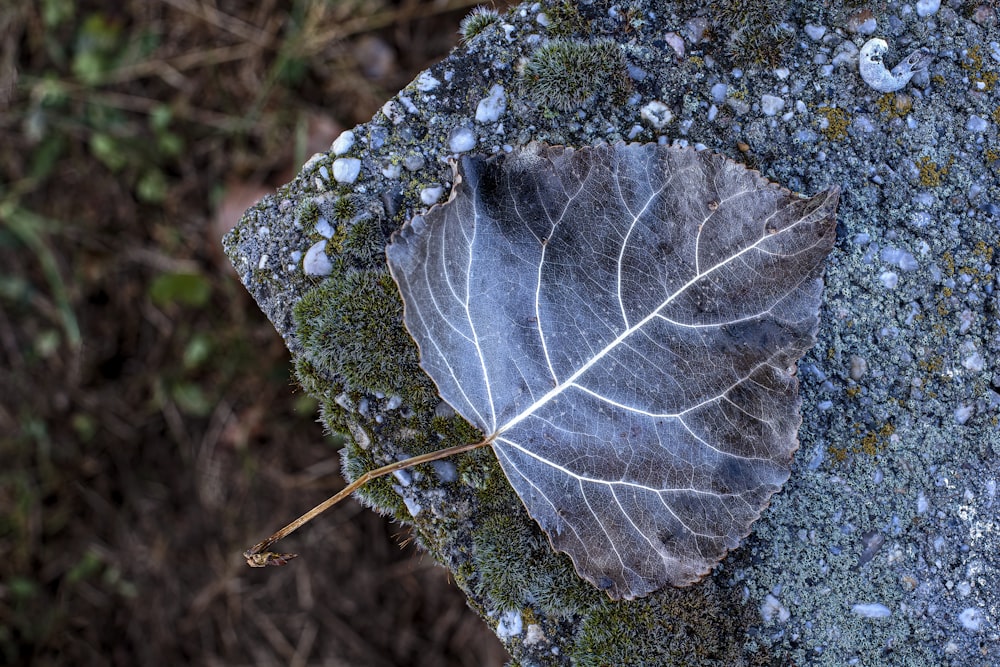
884, 546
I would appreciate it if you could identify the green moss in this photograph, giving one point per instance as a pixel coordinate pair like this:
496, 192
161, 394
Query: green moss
343, 208
564, 19
501, 544
673, 627
748, 14
308, 214
564, 74
351, 327
364, 240
478, 20
765, 46
754, 29
377, 494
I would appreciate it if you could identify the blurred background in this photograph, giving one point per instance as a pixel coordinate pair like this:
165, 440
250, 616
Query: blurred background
150, 429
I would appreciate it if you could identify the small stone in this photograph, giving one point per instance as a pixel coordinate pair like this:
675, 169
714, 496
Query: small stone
871, 610
971, 619
889, 278
461, 139
900, 258
426, 82
976, 124
431, 195
676, 43
974, 362
815, 32
414, 162
963, 413
657, 114
771, 105
858, 367
316, 263
773, 609
324, 228
491, 107
510, 624
393, 112
346, 169
343, 143
412, 506
534, 635
927, 8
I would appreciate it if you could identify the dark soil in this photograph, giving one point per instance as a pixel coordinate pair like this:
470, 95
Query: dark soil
149, 426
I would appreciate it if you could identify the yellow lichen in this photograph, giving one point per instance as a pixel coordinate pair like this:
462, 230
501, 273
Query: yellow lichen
837, 122
931, 174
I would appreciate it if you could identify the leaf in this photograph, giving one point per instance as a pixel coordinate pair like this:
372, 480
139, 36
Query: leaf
624, 322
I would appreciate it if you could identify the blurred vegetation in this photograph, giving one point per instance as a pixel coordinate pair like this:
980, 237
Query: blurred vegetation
149, 430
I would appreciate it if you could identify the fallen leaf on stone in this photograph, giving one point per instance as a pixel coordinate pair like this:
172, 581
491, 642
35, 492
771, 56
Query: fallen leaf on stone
624, 323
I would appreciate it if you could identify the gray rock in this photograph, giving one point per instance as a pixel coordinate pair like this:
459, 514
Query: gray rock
907, 452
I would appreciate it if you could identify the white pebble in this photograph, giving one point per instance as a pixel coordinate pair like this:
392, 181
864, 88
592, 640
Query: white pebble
431, 194
718, 93
815, 32
316, 263
446, 471
324, 172
491, 107
343, 143
771, 105
974, 362
899, 258
426, 82
962, 414
889, 278
976, 124
971, 619
346, 169
676, 43
461, 139
404, 477
657, 114
324, 228
922, 503
510, 624
871, 610
927, 8
859, 366
773, 609
408, 104
412, 506
393, 112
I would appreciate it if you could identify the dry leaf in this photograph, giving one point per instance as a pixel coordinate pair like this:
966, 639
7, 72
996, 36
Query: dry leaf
624, 322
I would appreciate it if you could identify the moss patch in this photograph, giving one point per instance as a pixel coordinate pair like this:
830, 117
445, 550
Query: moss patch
564, 74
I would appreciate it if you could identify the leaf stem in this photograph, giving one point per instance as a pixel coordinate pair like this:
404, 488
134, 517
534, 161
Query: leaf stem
257, 556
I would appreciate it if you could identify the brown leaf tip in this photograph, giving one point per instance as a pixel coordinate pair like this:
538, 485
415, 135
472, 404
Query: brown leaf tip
267, 558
